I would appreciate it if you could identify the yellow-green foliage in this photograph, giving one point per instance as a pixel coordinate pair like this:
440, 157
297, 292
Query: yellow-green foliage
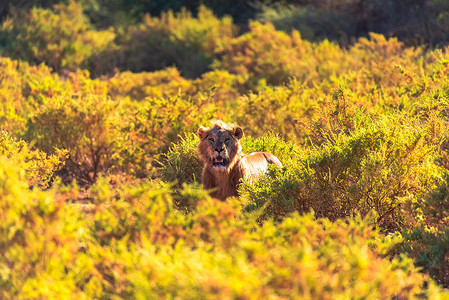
379, 60
60, 37
40, 238
22, 88
271, 56
38, 167
179, 39
361, 131
377, 168
265, 53
138, 86
82, 125
279, 109
182, 164
133, 243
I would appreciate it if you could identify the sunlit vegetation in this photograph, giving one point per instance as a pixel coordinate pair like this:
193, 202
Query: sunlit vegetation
100, 192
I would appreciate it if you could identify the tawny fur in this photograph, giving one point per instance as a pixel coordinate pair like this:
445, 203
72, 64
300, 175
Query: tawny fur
220, 144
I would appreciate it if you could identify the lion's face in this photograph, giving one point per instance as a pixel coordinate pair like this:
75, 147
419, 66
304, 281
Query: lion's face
220, 145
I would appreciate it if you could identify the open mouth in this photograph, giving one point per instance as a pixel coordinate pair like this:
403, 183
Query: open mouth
219, 162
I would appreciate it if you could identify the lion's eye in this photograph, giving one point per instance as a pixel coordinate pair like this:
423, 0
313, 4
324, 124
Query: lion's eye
211, 140
227, 141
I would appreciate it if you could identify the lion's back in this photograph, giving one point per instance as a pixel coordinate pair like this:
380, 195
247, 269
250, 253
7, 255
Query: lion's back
256, 163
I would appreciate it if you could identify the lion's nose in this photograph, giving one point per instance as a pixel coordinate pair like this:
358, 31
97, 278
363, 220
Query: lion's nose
219, 149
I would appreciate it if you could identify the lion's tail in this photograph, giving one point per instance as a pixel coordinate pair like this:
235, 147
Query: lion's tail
271, 159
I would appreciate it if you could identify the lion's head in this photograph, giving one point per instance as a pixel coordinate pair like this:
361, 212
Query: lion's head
219, 146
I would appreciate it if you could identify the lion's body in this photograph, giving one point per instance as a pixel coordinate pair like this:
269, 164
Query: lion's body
224, 162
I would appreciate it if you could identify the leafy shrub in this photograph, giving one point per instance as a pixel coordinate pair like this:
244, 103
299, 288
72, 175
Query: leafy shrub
330, 248
264, 53
157, 124
301, 255
174, 39
133, 242
40, 238
222, 86
383, 59
279, 109
138, 86
315, 21
39, 168
274, 57
80, 125
60, 37
430, 249
428, 240
182, 164
363, 169
240, 11
273, 143
137, 230
21, 90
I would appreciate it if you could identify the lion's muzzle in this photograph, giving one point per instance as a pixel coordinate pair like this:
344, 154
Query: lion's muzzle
219, 162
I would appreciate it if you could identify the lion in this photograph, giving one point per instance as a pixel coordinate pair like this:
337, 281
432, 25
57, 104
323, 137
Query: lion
224, 162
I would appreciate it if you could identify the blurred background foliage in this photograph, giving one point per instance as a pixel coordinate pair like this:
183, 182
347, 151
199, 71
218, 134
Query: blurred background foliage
412, 21
106, 35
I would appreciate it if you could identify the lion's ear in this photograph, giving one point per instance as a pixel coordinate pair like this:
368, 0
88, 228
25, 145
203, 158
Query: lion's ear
238, 132
202, 133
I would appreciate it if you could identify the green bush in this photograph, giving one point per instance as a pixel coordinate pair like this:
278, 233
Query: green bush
132, 242
314, 21
223, 87
376, 167
428, 240
60, 37
141, 246
157, 123
267, 56
429, 248
38, 167
138, 86
22, 89
182, 163
216, 251
40, 239
82, 125
264, 53
280, 110
384, 59
179, 40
